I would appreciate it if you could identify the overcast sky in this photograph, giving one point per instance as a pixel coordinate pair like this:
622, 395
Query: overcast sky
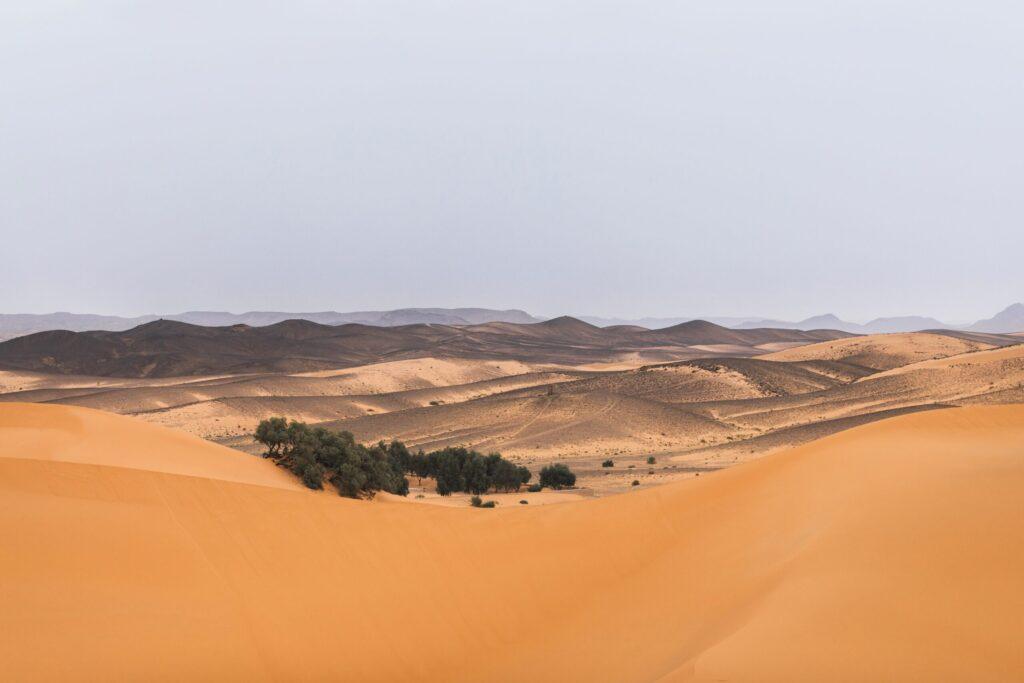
634, 158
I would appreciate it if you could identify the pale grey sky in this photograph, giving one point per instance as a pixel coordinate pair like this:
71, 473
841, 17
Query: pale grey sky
634, 158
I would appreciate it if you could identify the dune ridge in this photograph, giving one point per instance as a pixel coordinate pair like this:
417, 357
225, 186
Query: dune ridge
887, 552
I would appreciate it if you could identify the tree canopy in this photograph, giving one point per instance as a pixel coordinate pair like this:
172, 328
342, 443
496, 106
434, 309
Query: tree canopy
557, 476
460, 469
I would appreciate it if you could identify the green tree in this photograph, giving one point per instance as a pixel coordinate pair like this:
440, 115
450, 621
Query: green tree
272, 433
557, 476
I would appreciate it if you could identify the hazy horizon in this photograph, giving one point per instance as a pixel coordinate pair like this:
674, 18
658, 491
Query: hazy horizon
622, 161
539, 315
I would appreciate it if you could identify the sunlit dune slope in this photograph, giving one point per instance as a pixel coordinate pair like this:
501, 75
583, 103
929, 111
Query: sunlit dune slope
881, 351
79, 435
888, 552
223, 406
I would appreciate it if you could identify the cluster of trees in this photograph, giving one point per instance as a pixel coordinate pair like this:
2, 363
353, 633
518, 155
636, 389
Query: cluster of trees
316, 454
460, 469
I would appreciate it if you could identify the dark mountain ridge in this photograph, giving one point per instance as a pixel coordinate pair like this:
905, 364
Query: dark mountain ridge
165, 348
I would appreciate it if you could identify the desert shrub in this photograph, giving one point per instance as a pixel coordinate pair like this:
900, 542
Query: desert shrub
534, 488
524, 502
608, 463
313, 475
651, 460
488, 504
557, 476
476, 501
635, 483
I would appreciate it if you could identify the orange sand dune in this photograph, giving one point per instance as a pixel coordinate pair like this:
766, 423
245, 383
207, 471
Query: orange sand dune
893, 551
79, 435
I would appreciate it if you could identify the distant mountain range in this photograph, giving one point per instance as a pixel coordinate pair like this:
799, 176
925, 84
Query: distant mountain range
659, 323
1010, 319
14, 325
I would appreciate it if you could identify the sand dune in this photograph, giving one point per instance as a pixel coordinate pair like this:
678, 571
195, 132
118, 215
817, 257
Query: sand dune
77, 435
887, 552
225, 406
882, 351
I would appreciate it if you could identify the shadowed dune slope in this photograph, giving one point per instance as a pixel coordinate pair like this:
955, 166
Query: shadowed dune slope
888, 552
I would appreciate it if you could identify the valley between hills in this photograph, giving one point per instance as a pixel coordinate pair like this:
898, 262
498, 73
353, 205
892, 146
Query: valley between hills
695, 398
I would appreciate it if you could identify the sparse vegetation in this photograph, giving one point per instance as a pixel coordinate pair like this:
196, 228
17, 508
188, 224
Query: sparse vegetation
524, 502
636, 482
651, 460
557, 476
489, 504
608, 463
476, 501
534, 488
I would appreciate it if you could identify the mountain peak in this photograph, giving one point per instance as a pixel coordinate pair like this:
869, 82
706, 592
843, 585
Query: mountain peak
1010, 319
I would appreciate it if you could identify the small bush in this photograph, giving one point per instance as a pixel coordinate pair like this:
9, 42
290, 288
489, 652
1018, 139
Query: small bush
534, 488
608, 463
636, 482
524, 502
476, 501
313, 476
651, 460
557, 476
488, 504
